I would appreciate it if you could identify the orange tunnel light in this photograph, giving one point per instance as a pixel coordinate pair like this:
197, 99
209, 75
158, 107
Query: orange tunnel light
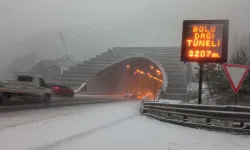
141, 72
148, 74
158, 72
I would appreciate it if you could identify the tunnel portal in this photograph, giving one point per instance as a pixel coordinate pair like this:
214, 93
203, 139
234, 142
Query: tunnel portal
138, 74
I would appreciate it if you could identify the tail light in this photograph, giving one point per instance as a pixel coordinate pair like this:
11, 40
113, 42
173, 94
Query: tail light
55, 88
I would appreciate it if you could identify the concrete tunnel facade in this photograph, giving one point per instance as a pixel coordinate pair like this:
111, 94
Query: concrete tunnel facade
135, 73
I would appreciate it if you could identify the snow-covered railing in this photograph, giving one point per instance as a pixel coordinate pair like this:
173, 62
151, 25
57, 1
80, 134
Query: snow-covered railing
79, 89
222, 118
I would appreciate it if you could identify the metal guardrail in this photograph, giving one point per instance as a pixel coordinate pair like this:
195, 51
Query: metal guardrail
221, 118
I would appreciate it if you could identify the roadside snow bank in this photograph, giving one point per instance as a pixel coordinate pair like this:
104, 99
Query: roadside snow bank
192, 90
206, 99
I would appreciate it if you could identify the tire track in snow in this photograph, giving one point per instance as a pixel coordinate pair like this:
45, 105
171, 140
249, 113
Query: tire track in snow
85, 133
34, 121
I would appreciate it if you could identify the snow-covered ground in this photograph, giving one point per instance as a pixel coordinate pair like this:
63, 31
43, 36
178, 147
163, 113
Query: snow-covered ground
192, 90
111, 126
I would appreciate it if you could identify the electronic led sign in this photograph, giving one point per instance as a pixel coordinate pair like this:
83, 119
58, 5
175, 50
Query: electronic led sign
205, 41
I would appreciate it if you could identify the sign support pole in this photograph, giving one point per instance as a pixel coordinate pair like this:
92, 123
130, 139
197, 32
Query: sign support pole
200, 82
235, 99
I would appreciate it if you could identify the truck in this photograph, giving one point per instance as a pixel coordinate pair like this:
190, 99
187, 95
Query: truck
25, 86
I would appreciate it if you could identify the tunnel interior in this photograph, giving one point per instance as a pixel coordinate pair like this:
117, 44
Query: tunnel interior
137, 74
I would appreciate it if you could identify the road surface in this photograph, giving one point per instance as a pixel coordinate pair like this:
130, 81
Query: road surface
106, 126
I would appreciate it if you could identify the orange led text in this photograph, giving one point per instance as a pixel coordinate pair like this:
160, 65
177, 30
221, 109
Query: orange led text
202, 53
203, 42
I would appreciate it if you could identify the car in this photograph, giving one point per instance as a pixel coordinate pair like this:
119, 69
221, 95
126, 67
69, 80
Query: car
131, 94
62, 91
127, 94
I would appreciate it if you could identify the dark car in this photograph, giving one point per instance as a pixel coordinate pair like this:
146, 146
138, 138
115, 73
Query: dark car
61, 90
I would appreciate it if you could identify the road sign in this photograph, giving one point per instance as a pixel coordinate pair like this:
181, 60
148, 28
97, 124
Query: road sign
205, 41
236, 75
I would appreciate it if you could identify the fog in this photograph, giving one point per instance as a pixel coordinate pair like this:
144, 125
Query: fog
92, 26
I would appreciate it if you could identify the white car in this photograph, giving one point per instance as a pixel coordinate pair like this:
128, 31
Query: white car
130, 94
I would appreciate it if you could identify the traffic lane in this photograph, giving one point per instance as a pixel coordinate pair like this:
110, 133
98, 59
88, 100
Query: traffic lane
44, 132
143, 133
16, 118
28, 113
63, 99
59, 102
94, 97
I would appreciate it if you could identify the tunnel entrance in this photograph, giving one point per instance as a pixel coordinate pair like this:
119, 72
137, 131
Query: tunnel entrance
138, 74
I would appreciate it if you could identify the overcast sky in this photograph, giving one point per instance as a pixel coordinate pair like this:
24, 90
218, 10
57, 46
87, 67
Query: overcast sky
108, 23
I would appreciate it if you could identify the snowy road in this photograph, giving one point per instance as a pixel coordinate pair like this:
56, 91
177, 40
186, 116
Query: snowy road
108, 126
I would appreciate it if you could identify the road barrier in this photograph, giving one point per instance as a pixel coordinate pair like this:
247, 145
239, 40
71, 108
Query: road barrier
234, 119
53, 104
92, 93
